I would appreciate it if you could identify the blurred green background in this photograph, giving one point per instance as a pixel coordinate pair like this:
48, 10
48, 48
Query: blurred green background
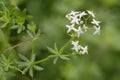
103, 60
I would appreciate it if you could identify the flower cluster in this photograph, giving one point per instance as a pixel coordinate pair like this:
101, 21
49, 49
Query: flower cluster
78, 25
79, 48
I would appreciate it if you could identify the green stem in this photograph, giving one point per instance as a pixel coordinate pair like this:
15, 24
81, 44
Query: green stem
62, 49
16, 45
43, 60
87, 19
33, 46
68, 55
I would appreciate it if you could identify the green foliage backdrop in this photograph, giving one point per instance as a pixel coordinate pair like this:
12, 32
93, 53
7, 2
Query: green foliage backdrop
102, 62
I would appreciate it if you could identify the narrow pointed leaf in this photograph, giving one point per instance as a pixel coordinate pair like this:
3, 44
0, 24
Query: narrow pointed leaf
22, 64
23, 58
33, 57
55, 60
29, 33
38, 68
14, 27
4, 25
51, 50
55, 46
38, 32
26, 69
31, 72
16, 68
3, 57
19, 30
64, 58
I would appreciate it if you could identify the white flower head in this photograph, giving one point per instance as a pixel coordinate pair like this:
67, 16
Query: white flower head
97, 30
95, 22
70, 27
91, 13
76, 46
75, 19
75, 43
82, 14
73, 13
79, 31
84, 50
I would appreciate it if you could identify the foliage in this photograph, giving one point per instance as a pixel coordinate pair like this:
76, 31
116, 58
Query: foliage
24, 47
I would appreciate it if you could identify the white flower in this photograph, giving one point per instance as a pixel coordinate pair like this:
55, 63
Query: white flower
75, 43
75, 19
84, 28
84, 50
76, 46
70, 27
79, 31
97, 30
95, 22
82, 14
73, 13
91, 13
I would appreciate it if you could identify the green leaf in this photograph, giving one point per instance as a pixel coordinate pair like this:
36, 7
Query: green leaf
38, 68
51, 50
55, 60
4, 25
19, 30
14, 27
6, 68
38, 32
29, 33
22, 64
31, 71
32, 27
33, 57
55, 46
23, 58
64, 57
3, 57
16, 68
26, 69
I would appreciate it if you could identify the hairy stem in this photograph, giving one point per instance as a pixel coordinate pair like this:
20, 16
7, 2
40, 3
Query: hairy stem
20, 43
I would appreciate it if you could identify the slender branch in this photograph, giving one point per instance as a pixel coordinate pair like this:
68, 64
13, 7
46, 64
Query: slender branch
40, 61
20, 43
43, 60
62, 49
86, 19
